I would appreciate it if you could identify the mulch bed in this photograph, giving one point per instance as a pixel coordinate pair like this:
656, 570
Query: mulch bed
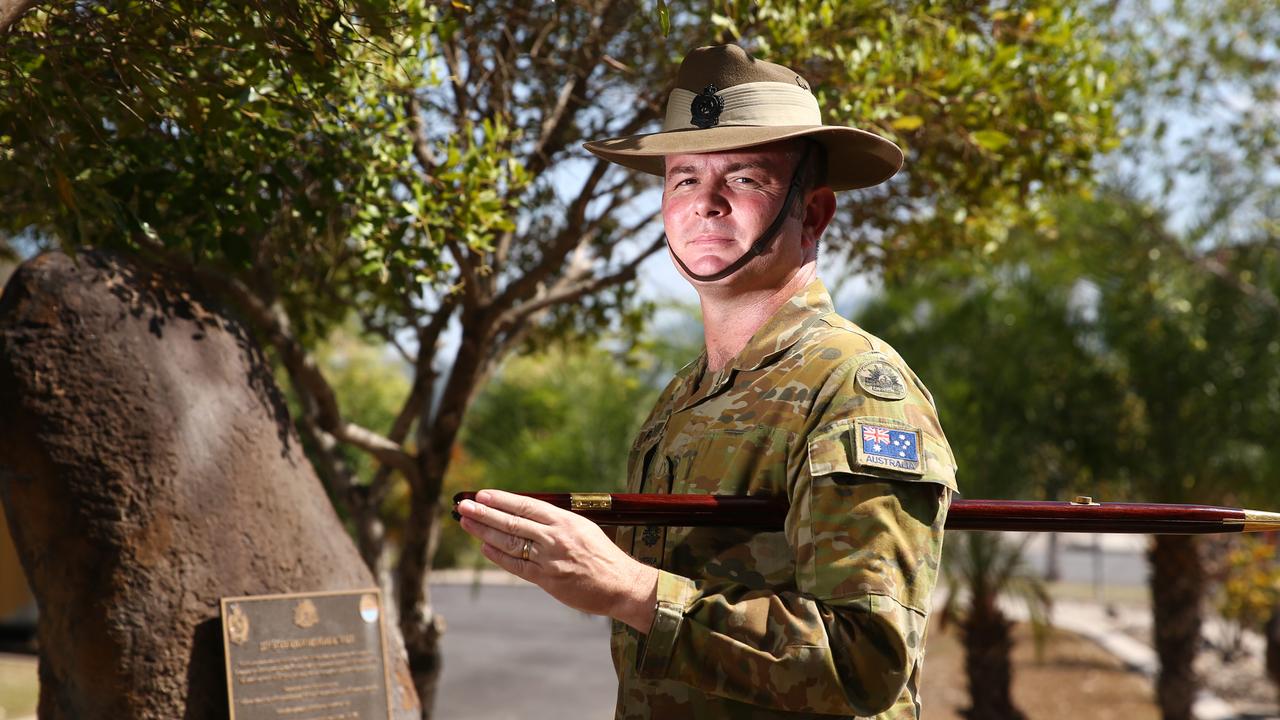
1074, 679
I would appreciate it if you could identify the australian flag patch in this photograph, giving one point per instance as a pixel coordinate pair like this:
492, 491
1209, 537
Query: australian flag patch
882, 445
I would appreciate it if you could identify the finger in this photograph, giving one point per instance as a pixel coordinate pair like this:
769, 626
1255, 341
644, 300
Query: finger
502, 521
527, 507
513, 565
510, 544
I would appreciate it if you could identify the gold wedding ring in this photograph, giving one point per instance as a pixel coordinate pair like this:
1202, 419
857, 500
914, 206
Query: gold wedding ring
524, 551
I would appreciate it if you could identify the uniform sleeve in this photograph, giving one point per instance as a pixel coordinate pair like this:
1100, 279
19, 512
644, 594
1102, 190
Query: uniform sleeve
865, 528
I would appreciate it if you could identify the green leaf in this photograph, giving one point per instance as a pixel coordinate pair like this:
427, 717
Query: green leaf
907, 123
992, 140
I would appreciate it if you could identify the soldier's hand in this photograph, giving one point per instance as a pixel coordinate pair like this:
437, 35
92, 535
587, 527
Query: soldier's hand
565, 554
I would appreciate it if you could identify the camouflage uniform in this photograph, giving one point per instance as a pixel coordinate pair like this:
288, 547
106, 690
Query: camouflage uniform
826, 617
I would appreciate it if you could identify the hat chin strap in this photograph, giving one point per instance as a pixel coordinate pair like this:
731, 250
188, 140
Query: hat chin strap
766, 238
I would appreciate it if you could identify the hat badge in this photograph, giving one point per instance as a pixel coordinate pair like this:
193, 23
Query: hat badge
706, 108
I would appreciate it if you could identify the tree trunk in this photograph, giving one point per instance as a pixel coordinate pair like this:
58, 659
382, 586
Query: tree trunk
149, 467
1177, 582
420, 625
370, 533
988, 646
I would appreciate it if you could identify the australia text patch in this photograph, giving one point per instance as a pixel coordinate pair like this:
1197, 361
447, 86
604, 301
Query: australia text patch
888, 447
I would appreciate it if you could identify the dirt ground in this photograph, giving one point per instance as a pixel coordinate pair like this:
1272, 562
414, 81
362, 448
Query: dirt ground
1074, 679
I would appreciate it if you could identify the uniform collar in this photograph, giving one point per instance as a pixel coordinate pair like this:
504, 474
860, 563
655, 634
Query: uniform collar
782, 330
784, 327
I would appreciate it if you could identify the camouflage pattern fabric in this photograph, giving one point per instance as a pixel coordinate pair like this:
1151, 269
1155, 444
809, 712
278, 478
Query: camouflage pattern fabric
826, 617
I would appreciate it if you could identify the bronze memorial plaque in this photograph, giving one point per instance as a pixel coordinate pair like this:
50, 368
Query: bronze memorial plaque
306, 656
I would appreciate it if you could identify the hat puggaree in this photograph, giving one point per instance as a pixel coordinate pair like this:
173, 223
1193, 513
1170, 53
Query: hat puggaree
724, 99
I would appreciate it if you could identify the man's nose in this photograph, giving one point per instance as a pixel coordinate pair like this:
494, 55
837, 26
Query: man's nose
711, 201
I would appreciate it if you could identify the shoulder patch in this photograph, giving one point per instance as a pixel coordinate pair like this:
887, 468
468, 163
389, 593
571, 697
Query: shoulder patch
880, 379
882, 445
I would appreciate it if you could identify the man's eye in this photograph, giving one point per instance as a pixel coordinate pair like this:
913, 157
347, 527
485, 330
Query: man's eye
685, 181
744, 181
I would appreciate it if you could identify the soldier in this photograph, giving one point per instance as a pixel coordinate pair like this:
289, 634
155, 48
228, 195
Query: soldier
826, 617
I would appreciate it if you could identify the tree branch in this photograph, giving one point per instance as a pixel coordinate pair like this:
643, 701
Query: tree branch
334, 471
462, 99
577, 290
12, 10
421, 144
552, 137
1220, 270
470, 280
501, 252
553, 256
424, 374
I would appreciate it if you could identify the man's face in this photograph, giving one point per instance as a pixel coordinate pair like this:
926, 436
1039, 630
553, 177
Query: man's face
715, 205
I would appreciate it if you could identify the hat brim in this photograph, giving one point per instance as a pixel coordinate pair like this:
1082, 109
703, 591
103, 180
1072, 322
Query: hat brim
855, 158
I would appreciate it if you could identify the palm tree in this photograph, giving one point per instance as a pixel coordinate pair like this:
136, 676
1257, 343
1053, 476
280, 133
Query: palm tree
980, 569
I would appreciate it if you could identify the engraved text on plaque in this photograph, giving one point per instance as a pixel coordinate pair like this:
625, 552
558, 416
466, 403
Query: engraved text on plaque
306, 656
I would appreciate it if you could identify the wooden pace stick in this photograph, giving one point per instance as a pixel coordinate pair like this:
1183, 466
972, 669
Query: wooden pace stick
768, 513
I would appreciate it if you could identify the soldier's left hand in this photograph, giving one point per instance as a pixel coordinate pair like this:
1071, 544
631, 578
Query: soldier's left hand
565, 554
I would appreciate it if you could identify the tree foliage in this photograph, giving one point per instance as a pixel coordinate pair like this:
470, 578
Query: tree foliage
1126, 351
1199, 113
1109, 362
996, 105
559, 422
254, 135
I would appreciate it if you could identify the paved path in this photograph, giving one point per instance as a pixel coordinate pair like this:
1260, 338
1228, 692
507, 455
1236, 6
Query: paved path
510, 652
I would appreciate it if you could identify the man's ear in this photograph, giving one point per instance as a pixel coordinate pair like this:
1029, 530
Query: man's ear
819, 208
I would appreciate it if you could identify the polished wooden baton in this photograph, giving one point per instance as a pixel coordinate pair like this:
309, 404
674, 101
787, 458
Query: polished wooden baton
1081, 515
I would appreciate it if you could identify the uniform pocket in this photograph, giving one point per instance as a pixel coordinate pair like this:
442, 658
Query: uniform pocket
735, 461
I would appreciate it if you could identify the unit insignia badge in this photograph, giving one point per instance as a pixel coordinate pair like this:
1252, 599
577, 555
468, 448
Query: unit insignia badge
305, 614
706, 108
882, 380
237, 625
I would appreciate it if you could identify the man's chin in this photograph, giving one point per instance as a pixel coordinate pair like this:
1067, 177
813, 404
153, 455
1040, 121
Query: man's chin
709, 267
708, 264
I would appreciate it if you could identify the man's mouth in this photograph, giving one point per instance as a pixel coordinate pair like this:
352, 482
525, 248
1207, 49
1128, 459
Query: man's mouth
708, 239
